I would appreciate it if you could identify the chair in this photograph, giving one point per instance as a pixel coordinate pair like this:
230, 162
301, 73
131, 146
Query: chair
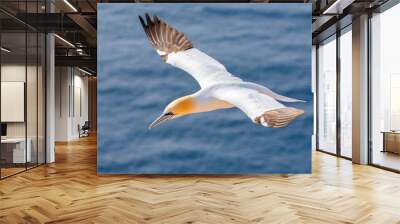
84, 130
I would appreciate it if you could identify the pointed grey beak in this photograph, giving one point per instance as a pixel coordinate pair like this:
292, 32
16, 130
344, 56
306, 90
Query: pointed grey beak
161, 119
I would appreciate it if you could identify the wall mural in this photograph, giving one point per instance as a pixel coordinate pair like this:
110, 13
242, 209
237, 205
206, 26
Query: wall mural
204, 88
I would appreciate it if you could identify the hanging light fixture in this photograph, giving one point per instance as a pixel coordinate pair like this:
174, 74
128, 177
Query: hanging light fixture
70, 5
5, 50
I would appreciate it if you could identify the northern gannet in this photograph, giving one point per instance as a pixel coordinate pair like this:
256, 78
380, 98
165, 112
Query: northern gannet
219, 88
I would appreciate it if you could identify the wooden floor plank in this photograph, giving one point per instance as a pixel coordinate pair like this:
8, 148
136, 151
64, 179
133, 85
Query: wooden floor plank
70, 191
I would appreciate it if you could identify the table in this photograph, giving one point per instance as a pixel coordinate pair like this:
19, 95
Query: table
391, 141
19, 155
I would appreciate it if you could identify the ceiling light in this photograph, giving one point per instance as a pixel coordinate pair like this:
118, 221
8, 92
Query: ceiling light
80, 51
84, 71
5, 50
338, 6
65, 41
70, 5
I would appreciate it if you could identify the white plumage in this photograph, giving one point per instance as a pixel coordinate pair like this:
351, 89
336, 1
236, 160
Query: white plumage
219, 88
216, 81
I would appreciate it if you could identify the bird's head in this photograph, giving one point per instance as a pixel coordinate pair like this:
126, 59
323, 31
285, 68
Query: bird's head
177, 108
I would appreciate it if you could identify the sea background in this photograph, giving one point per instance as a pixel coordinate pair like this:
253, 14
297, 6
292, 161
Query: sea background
269, 44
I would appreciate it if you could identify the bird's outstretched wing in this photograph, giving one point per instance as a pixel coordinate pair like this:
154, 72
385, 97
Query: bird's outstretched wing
176, 49
164, 38
259, 107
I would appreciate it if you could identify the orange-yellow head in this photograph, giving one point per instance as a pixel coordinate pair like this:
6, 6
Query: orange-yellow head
177, 108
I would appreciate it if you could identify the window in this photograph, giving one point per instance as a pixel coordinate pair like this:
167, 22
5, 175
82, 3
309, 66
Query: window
327, 95
22, 78
385, 89
346, 92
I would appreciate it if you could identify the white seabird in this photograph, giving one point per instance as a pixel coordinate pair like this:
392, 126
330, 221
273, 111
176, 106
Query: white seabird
219, 88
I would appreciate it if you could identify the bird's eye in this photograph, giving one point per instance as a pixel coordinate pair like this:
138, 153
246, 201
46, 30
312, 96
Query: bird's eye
169, 113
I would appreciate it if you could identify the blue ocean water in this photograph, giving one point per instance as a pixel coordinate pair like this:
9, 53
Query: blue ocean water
269, 44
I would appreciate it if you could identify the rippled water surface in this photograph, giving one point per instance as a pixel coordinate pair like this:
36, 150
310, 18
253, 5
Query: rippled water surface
269, 44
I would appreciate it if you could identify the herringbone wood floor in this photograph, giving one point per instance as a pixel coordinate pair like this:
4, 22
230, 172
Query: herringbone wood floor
69, 191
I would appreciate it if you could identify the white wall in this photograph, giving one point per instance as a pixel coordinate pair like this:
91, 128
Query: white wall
17, 73
9, 73
62, 82
80, 109
33, 127
71, 93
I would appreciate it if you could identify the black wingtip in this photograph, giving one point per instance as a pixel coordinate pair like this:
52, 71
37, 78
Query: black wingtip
142, 22
156, 19
148, 19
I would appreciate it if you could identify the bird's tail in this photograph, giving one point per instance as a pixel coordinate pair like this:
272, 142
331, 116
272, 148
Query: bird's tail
278, 118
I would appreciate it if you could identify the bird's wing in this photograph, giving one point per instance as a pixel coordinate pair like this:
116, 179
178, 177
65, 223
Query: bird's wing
267, 91
175, 49
164, 38
260, 108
